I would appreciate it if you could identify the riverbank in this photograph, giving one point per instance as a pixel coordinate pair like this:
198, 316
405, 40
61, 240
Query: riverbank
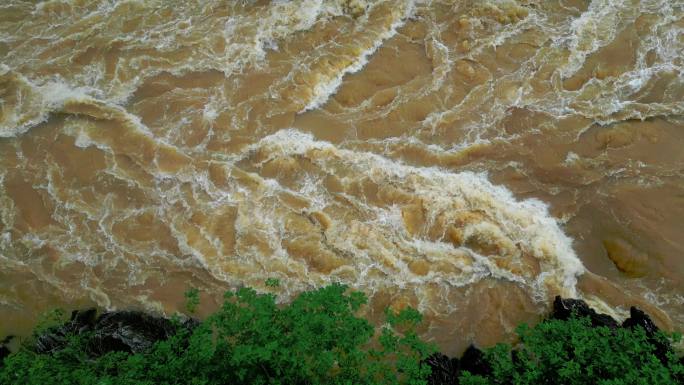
320, 338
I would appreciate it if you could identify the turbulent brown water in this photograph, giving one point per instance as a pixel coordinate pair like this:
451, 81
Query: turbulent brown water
470, 158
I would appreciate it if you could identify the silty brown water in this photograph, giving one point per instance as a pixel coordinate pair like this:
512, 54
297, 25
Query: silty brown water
470, 158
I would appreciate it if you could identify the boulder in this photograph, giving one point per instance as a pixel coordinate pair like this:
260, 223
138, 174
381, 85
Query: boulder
563, 308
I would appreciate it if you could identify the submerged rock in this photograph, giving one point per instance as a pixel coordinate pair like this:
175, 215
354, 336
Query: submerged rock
627, 258
563, 308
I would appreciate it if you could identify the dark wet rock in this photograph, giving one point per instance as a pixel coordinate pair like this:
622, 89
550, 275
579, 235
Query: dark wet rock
119, 331
50, 341
444, 369
55, 338
638, 318
473, 360
4, 352
563, 308
83, 320
127, 331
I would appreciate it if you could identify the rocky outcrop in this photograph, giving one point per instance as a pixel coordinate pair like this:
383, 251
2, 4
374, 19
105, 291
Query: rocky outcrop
639, 318
121, 331
563, 309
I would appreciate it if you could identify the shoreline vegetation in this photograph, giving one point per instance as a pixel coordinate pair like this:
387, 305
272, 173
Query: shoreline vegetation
319, 338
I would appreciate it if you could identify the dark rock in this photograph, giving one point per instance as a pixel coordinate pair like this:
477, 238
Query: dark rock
128, 331
639, 318
444, 369
473, 360
52, 340
55, 338
564, 308
190, 323
4, 350
82, 320
120, 331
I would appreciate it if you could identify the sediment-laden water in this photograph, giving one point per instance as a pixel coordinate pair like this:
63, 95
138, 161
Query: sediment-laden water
470, 158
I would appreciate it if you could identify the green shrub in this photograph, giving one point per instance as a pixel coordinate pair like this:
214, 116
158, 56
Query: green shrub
573, 352
319, 339
316, 339
192, 300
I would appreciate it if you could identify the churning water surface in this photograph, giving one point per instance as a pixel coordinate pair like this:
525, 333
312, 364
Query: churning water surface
469, 158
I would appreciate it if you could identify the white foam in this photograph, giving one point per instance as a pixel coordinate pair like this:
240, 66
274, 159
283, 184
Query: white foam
592, 30
329, 85
571, 158
527, 223
36, 102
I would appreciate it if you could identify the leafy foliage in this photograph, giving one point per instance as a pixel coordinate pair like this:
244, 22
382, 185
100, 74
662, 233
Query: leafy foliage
572, 352
192, 300
316, 339
319, 338
50, 319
